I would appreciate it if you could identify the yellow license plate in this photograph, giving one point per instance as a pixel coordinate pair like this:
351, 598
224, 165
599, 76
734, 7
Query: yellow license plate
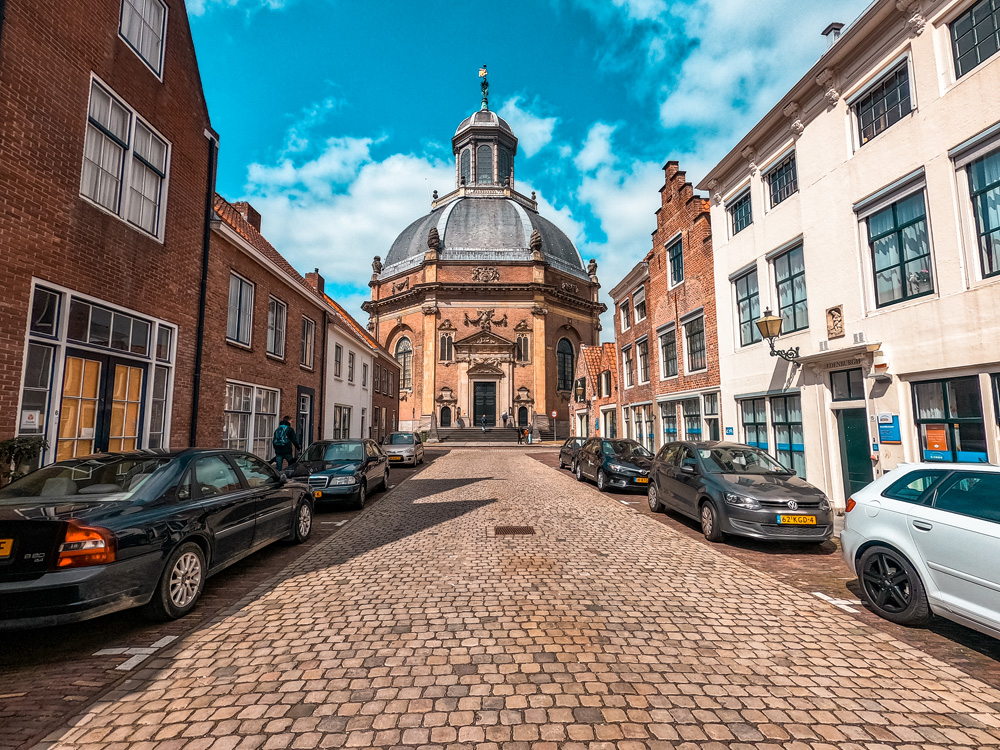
6, 546
395, 458
797, 520
642, 480
317, 493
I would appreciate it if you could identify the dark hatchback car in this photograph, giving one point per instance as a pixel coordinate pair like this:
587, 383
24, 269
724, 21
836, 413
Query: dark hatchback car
737, 489
343, 470
567, 454
613, 463
92, 535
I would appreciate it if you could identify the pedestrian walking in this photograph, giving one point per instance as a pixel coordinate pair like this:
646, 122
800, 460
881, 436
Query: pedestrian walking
520, 436
483, 422
285, 443
504, 418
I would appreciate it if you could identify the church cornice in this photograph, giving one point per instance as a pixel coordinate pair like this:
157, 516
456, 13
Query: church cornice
485, 191
415, 296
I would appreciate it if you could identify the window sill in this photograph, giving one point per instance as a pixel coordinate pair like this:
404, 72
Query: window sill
307, 368
275, 357
239, 344
696, 372
931, 296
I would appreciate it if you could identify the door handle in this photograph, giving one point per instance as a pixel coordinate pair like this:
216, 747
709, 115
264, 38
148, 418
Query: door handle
922, 525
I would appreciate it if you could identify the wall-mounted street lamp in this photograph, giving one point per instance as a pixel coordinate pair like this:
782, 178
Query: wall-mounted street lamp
770, 328
580, 390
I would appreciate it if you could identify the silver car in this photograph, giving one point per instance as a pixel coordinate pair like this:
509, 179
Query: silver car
404, 448
925, 539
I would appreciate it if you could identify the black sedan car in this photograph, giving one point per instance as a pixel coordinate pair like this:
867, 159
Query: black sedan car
613, 463
567, 454
92, 535
343, 469
738, 489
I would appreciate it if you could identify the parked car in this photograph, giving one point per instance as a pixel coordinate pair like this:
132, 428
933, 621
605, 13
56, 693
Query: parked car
404, 448
925, 539
618, 463
343, 469
738, 489
567, 454
88, 536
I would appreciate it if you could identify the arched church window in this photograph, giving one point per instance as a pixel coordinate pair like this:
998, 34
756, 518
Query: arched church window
484, 165
466, 168
504, 167
564, 365
404, 355
522, 348
447, 348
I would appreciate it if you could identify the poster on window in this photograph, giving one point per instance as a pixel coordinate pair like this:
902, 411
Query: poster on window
936, 437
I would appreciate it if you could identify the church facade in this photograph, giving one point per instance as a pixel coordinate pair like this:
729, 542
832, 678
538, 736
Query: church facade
484, 302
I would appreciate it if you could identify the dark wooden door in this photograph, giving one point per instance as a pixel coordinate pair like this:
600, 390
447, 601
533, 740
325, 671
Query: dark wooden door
484, 404
855, 455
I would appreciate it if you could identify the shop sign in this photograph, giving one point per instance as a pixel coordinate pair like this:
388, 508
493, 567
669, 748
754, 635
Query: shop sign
845, 363
729, 430
888, 429
30, 419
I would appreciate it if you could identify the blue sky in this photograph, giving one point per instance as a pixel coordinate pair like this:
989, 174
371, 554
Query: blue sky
336, 116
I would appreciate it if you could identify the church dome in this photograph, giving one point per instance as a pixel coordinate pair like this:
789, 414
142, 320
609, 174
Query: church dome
484, 119
484, 229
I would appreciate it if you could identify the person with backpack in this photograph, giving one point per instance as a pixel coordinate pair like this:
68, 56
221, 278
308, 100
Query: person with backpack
285, 443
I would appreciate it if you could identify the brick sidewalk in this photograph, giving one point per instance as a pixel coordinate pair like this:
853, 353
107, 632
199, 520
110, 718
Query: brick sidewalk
416, 626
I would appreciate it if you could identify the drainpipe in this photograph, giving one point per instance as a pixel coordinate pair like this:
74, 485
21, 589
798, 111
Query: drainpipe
3, 14
322, 376
213, 161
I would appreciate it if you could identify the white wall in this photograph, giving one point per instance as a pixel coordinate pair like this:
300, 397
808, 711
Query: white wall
340, 391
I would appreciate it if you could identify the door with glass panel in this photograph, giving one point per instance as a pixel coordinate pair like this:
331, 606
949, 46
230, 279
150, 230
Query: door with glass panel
78, 412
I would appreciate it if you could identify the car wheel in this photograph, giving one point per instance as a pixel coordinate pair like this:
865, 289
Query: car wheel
578, 471
362, 496
602, 481
180, 585
303, 523
562, 464
655, 506
890, 585
710, 522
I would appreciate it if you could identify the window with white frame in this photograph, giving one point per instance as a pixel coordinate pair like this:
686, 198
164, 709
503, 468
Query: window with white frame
338, 360
143, 26
642, 349
901, 251
786, 416
350, 367
277, 312
404, 355
628, 367
668, 354
984, 186
522, 348
306, 357
740, 213
692, 419
240, 310
626, 313
639, 305
885, 104
712, 415
377, 378
668, 420
747, 307
675, 258
790, 274
606, 383
364, 375
446, 351
782, 180
124, 167
250, 418
697, 358
754, 413
975, 35
341, 422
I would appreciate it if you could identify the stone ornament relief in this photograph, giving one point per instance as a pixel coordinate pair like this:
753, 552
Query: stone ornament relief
750, 154
401, 286
522, 326
446, 325
485, 274
570, 287
835, 322
915, 21
794, 113
827, 80
486, 319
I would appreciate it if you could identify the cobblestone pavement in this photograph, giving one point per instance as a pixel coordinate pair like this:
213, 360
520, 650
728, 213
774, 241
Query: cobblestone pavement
820, 569
418, 626
49, 673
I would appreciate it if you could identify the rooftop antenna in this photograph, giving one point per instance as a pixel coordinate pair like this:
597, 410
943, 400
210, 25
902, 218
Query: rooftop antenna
486, 89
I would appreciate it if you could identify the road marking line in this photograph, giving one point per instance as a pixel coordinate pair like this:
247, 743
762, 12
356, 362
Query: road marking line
137, 654
135, 661
165, 641
843, 604
629, 502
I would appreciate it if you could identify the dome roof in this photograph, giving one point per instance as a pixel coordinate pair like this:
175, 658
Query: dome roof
487, 230
484, 118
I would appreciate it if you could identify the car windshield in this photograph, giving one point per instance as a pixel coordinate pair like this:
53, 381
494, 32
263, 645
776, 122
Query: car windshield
91, 477
740, 460
399, 438
626, 449
353, 451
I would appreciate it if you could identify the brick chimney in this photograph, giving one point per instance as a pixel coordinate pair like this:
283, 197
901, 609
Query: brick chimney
249, 213
316, 282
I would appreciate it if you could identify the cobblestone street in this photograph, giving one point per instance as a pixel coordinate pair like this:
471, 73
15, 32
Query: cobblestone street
417, 625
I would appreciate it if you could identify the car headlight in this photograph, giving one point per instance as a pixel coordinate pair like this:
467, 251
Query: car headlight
741, 501
334, 481
617, 467
824, 504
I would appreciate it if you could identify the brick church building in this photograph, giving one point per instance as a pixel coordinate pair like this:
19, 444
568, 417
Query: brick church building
483, 301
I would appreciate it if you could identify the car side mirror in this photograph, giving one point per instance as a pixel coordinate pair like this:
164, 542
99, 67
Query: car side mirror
183, 494
688, 469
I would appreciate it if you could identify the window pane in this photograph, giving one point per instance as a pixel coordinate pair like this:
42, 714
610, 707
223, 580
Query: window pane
44, 312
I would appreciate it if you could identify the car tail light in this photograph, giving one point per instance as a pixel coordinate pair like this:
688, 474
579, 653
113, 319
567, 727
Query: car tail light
850, 504
85, 545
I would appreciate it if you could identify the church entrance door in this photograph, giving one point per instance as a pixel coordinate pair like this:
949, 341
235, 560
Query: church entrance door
522, 416
446, 416
484, 403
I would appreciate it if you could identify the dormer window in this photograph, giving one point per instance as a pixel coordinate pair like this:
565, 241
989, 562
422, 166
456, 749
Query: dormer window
484, 165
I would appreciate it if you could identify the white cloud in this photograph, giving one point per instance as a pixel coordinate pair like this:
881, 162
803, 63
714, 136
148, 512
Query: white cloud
596, 151
200, 7
533, 131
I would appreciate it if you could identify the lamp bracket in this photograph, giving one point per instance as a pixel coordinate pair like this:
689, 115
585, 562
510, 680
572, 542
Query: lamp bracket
791, 354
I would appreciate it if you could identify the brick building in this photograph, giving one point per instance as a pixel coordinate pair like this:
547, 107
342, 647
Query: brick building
106, 158
665, 326
484, 302
595, 393
264, 346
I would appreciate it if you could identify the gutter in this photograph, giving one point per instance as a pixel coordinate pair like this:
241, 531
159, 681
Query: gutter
3, 14
213, 163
